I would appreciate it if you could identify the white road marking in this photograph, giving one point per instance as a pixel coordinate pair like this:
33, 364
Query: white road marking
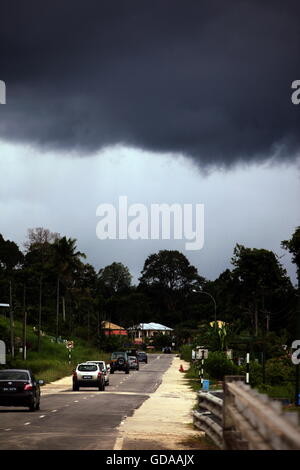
26, 424
75, 401
8, 429
53, 411
42, 416
119, 443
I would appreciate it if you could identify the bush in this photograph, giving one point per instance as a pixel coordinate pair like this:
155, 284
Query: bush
280, 371
255, 373
186, 353
217, 365
113, 343
278, 391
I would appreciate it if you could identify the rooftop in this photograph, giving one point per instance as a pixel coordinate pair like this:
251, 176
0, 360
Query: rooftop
152, 326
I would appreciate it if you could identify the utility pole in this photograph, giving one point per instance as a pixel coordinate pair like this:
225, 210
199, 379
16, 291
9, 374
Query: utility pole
57, 308
24, 323
12, 326
40, 315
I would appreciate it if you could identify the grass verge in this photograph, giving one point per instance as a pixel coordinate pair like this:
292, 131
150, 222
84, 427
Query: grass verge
51, 362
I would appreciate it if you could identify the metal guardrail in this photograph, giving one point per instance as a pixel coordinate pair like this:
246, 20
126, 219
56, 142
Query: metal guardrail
246, 420
208, 417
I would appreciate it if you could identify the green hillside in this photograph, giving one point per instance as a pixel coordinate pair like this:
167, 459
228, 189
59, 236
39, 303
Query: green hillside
51, 363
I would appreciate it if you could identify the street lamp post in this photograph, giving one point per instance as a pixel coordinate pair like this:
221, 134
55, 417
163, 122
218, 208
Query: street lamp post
207, 293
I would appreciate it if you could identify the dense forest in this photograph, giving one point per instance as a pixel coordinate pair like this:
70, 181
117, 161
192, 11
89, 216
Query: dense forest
63, 295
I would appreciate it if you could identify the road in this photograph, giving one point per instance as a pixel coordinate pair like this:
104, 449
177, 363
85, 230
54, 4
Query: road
84, 420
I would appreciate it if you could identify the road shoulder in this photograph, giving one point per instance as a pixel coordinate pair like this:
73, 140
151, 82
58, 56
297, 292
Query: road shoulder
164, 421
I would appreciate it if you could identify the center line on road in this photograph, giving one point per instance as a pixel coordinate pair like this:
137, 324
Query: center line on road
42, 416
53, 411
8, 429
26, 424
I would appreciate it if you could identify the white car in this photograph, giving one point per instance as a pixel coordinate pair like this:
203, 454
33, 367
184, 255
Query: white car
104, 367
88, 375
133, 362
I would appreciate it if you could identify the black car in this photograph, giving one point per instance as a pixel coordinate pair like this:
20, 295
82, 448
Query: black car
18, 387
142, 357
167, 350
119, 361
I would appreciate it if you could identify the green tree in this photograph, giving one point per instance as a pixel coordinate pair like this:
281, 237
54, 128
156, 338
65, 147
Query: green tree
262, 282
293, 246
167, 279
68, 266
170, 270
10, 255
114, 278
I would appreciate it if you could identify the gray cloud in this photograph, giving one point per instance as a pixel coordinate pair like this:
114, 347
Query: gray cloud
207, 79
243, 205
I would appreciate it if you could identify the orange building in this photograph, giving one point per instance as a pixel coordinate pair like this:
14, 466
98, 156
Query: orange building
111, 329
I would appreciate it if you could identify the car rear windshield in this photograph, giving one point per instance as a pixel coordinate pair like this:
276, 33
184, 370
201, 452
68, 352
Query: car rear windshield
115, 355
87, 367
13, 375
100, 364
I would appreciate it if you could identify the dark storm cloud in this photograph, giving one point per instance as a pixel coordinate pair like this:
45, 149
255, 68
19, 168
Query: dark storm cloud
210, 79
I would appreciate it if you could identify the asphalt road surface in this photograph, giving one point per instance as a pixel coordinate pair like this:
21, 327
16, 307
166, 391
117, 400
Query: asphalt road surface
84, 420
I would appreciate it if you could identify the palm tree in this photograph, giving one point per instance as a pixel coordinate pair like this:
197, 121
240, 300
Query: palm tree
67, 264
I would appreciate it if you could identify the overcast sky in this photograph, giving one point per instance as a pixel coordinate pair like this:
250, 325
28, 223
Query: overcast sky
256, 205
161, 101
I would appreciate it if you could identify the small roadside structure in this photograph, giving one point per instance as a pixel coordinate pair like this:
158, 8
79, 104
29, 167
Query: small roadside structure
148, 330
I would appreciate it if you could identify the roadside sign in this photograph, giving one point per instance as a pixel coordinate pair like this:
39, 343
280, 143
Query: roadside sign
229, 353
2, 352
201, 353
70, 344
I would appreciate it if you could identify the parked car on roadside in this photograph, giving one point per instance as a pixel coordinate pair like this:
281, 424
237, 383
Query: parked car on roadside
19, 387
133, 362
142, 356
88, 375
104, 368
167, 350
119, 361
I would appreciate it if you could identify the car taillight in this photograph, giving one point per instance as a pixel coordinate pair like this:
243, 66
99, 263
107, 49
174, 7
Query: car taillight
99, 374
28, 387
74, 375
